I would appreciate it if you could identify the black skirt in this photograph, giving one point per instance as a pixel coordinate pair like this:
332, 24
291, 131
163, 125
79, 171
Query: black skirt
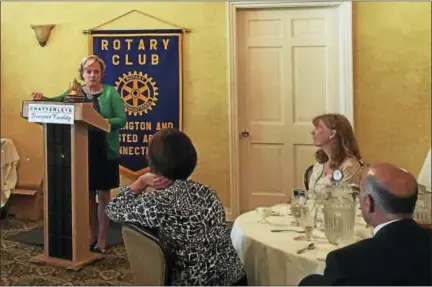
103, 172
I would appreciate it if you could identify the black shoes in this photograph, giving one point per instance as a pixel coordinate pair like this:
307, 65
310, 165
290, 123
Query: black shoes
97, 249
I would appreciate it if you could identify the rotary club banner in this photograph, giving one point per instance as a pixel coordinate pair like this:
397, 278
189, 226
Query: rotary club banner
146, 69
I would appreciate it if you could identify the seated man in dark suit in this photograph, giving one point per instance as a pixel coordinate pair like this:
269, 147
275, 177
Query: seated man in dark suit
399, 253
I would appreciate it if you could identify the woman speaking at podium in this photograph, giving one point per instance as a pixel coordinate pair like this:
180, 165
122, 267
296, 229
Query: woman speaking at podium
103, 147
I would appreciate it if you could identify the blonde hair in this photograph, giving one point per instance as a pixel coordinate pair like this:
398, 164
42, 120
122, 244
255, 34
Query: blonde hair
90, 60
345, 144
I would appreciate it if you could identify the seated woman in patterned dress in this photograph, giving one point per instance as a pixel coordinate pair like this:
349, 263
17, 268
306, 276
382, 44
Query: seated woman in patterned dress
337, 149
189, 216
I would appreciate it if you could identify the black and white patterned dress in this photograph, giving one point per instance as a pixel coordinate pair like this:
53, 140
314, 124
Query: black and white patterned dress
191, 219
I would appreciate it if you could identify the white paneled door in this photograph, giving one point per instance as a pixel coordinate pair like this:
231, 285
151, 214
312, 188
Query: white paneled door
288, 72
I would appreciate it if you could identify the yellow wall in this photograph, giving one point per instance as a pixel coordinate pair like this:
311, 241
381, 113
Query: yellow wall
27, 67
392, 81
391, 67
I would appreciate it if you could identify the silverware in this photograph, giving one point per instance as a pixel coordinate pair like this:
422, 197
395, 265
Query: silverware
309, 247
283, 230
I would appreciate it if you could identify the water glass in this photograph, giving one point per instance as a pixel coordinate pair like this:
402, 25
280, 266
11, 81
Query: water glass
263, 214
423, 215
306, 215
308, 232
307, 220
296, 213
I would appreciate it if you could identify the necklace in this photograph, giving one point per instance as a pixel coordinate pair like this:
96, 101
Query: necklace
90, 94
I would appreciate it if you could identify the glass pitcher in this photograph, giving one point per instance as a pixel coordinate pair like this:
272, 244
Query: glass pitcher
339, 213
316, 208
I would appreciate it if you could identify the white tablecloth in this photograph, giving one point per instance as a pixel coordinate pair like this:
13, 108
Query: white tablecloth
9, 173
270, 258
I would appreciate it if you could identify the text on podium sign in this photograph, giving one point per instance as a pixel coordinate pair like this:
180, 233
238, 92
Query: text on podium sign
51, 114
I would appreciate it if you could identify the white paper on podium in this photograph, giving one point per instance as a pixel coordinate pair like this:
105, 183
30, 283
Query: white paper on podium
51, 114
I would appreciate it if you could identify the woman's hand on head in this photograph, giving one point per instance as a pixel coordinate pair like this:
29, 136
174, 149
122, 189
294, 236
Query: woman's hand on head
151, 179
155, 181
161, 182
147, 179
142, 182
36, 96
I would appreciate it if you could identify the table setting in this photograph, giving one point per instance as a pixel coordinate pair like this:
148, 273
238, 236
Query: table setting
277, 251
281, 244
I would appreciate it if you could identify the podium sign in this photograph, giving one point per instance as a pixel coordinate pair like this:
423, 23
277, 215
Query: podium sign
66, 188
51, 114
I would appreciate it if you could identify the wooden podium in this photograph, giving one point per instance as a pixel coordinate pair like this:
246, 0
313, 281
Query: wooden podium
66, 188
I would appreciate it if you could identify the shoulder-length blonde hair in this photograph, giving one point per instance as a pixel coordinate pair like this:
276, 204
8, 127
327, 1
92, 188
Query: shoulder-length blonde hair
345, 143
90, 60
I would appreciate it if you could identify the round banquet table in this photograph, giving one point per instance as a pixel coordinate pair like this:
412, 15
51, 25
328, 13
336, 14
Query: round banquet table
270, 258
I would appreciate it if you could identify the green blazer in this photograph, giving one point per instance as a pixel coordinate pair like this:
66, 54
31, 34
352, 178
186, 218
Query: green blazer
112, 108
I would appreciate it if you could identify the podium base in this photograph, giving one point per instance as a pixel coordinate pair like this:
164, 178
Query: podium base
69, 265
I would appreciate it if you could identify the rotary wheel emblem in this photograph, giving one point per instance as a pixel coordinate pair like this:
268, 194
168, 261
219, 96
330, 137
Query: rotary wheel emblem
138, 91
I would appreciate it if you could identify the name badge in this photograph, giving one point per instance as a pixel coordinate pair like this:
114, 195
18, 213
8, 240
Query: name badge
337, 175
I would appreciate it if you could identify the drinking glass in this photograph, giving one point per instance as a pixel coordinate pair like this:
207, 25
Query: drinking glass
296, 213
263, 214
308, 232
307, 221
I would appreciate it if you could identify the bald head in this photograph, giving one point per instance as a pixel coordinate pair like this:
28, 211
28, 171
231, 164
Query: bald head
394, 190
399, 182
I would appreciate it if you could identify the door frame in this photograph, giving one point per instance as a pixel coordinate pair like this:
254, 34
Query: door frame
345, 79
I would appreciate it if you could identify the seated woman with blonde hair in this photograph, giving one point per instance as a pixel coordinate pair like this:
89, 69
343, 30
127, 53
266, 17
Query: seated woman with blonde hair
337, 150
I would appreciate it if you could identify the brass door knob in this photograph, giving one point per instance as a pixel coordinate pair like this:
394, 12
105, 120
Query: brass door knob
244, 133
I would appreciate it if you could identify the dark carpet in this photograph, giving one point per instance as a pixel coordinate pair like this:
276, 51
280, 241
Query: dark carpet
36, 236
16, 269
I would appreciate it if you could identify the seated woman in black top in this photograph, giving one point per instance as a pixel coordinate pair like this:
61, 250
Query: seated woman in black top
189, 216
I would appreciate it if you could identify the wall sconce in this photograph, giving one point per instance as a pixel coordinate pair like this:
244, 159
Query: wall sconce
42, 33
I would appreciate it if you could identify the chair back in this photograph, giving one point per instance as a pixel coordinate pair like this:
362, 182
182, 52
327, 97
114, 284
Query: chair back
306, 176
149, 259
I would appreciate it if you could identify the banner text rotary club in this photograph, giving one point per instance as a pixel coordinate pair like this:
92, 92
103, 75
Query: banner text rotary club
140, 45
145, 67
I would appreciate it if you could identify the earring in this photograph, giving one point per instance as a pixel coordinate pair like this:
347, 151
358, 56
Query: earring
332, 135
